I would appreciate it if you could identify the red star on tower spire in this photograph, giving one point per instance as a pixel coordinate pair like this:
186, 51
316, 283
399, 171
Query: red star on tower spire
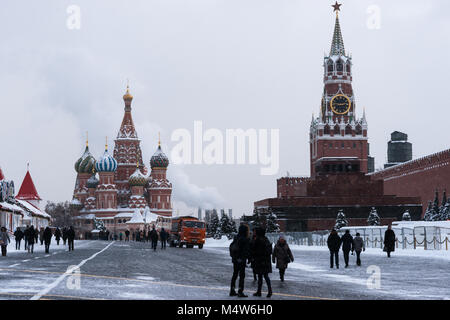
337, 7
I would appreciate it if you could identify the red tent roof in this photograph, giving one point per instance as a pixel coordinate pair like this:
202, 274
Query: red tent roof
27, 189
1, 174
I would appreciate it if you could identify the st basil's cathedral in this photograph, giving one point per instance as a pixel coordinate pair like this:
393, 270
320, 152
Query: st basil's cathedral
117, 189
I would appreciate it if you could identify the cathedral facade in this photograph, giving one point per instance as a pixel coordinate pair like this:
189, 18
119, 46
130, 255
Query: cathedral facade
117, 188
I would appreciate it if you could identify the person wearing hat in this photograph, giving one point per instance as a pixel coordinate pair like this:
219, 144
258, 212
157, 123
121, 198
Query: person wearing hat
282, 255
4, 240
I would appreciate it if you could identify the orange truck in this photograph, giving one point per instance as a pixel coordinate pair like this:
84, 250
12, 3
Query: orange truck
187, 231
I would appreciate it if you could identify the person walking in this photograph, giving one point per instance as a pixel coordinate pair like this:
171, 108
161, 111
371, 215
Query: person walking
41, 236
334, 244
358, 245
347, 246
282, 255
31, 239
64, 235
127, 235
36, 235
154, 238
25, 237
389, 241
47, 239
163, 237
57, 236
70, 237
18, 235
240, 253
4, 240
261, 251
252, 261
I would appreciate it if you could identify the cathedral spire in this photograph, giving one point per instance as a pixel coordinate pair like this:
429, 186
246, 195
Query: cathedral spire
337, 45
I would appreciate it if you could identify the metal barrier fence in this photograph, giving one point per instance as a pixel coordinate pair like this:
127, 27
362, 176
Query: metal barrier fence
423, 237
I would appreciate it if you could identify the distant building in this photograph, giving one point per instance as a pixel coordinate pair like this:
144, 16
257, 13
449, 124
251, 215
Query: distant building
399, 149
199, 213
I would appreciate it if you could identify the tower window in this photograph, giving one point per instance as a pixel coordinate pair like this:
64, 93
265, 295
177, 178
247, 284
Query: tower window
348, 67
339, 66
330, 66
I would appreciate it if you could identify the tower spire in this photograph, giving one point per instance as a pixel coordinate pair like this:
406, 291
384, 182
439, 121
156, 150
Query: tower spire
337, 44
87, 139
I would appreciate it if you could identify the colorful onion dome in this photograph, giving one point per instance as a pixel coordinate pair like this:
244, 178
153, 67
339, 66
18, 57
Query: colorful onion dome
92, 182
86, 163
159, 159
106, 163
137, 179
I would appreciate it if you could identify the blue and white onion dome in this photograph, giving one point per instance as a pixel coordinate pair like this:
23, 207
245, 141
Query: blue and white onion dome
137, 179
106, 163
159, 159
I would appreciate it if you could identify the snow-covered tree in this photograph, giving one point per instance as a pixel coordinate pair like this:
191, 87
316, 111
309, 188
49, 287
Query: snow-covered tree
214, 225
341, 220
258, 220
406, 216
442, 215
429, 213
374, 218
99, 225
446, 211
272, 225
226, 226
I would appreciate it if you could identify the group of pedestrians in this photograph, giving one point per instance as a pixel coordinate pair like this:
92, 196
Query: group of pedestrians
259, 254
150, 236
31, 235
355, 245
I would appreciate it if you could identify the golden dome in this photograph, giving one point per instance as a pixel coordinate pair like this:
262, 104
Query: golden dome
127, 95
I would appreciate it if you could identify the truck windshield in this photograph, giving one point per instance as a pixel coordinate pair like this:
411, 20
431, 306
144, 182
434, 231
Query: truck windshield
193, 224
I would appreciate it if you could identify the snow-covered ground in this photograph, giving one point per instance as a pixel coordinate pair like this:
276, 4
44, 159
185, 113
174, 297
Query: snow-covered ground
408, 274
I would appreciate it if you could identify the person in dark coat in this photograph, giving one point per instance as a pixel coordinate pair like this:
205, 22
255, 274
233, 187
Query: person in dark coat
358, 245
389, 241
70, 237
240, 253
57, 236
64, 235
163, 237
18, 235
252, 261
4, 240
347, 246
127, 235
260, 252
41, 236
282, 255
31, 235
47, 238
25, 237
36, 235
154, 238
334, 244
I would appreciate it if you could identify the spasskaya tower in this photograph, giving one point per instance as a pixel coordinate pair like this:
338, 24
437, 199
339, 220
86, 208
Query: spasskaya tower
338, 139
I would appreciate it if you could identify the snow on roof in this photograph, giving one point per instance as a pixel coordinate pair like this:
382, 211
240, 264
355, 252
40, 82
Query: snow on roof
124, 215
149, 216
90, 216
27, 189
137, 217
95, 231
11, 207
34, 210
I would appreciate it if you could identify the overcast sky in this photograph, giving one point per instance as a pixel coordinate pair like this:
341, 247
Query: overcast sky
229, 63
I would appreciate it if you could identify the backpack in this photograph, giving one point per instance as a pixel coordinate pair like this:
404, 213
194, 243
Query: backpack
234, 249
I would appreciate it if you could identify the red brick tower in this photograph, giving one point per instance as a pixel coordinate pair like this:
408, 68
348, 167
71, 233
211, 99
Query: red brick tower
127, 152
338, 140
159, 188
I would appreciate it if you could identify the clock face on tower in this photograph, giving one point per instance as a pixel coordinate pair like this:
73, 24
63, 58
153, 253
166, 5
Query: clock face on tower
340, 104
